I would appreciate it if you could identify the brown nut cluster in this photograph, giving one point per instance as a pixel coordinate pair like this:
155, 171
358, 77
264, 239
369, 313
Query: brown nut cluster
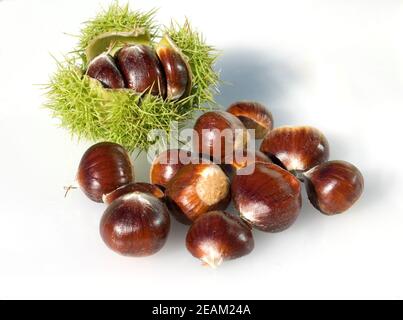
137, 221
161, 72
197, 187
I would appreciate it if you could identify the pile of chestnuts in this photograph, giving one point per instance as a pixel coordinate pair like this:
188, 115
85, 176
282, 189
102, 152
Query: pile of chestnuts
162, 72
196, 189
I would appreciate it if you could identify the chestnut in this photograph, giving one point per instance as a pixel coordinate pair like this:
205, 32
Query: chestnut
254, 116
218, 236
269, 199
134, 187
298, 149
333, 187
197, 189
103, 68
167, 164
141, 69
218, 134
177, 70
104, 168
136, 224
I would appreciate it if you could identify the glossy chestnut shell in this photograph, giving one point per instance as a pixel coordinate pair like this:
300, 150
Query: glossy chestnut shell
134, 187
218, 236
297, 148
176, 68
197, 189
334, 187
142, 70
254, 116
269, 199
167, 164
136, 225
218, 134
103, 68
104, 168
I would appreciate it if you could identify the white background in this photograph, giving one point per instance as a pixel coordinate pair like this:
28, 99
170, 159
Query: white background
336, 65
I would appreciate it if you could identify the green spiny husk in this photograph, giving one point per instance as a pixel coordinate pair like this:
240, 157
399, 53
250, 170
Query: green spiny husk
92, 112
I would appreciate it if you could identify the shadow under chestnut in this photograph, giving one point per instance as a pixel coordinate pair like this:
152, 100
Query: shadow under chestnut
254, 75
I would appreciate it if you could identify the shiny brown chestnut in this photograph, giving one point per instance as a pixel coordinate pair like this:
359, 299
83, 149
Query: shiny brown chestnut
254, 116
134, 187
142, 70
334, 187
197, 189
167, 164
218, 134
269, 199
217, 236
177, 70
136, 224
298, 149
104, 168
103, 68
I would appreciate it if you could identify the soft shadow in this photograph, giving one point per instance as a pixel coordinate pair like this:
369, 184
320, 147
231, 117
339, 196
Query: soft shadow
142, 167
177, 237
378, 184
254, 75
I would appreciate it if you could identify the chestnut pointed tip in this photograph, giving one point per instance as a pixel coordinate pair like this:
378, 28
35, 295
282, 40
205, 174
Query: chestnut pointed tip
131, 188
212, 262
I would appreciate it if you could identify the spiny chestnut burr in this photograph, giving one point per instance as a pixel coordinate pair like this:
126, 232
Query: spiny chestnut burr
177, 70
218, 134
218, 236
269, 199
297, 148
104, 168
167, 164
103, 68
142, 70
254, 116
136, 224
333, 187
134, 187
197, 189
